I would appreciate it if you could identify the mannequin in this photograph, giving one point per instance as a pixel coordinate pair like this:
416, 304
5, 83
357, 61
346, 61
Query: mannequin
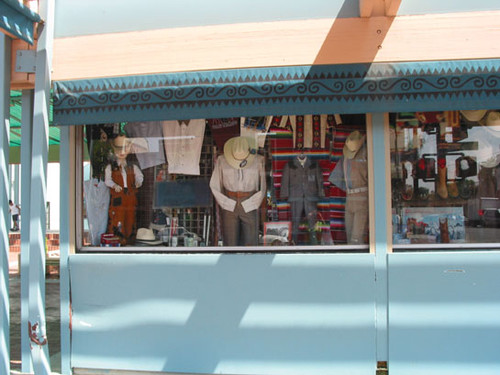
238, 184
351, 175
123, 179
302, 186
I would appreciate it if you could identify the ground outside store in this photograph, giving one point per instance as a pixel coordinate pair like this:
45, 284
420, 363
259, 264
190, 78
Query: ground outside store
52, 300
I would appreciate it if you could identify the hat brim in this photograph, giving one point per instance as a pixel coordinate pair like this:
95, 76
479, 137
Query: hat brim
148, 242
493, 119
473, 115
228, 154
348, 153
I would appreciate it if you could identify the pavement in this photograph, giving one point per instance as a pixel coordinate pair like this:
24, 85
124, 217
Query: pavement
53, 328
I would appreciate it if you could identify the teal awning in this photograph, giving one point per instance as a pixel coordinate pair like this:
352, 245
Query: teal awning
18, 20
349, 88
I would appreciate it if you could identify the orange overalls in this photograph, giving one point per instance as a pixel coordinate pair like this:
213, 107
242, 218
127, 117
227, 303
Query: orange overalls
122, 207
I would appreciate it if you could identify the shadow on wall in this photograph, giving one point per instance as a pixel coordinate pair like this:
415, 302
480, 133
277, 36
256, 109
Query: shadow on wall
230, 313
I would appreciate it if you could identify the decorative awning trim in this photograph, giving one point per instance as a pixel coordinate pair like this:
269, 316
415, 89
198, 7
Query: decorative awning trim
357, 88
18, 20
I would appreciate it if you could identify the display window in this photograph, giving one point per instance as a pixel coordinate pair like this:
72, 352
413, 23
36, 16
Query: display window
289, 181
445, 176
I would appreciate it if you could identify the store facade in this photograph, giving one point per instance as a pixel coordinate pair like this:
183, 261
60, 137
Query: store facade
324, 300
322, 205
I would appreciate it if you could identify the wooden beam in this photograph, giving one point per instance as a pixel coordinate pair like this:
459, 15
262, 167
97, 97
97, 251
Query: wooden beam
450, 36
373, 8
19, 80
391, 7
366, 8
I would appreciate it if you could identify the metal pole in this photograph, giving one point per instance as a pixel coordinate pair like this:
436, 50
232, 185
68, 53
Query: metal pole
66, 167
38, 197
381, 183
5, 44
16, 183
26, 144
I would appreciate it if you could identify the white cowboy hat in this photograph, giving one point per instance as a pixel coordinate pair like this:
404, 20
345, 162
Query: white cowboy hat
473, 115
353, 143
240, 152
146, 236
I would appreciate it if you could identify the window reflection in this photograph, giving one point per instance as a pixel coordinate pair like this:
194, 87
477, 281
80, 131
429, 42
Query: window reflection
445, 176
252, 181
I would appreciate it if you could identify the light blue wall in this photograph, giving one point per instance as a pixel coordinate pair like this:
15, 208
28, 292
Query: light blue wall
230, 313
444, 313
106, 16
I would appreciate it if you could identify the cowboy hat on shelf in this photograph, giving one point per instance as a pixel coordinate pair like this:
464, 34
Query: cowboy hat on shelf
146, 237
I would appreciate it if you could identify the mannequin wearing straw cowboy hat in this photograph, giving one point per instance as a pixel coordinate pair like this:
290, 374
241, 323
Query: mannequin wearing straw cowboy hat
238, 184
351, 175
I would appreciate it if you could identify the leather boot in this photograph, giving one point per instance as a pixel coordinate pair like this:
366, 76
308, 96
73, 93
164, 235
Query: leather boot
442, 188
453, 189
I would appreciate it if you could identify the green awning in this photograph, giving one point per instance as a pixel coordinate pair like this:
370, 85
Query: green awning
15, 131
15, 122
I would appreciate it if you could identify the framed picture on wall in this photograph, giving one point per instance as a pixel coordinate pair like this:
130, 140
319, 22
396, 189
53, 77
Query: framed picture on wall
277, 233
433, 224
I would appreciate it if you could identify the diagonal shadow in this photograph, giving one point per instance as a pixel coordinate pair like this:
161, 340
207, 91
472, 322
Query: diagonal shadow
223, 313
353, 40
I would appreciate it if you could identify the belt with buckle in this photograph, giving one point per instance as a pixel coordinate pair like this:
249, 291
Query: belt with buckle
239, 194
357, 190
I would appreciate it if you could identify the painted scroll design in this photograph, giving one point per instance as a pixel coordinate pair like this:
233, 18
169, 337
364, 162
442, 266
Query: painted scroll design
336, 85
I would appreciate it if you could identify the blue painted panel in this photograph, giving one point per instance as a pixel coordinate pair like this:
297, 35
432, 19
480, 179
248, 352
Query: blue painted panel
75, 18
104, 16
224, 313
444, 313
409, 7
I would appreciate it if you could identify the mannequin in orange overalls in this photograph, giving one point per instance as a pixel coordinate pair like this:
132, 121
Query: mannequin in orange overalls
123, 179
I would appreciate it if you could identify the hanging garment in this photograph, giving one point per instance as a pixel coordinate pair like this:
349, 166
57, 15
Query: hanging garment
183, 142
96, 195
256, 127
152, 133
223, 129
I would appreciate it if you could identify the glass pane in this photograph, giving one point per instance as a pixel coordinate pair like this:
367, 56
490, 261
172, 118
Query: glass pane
256, 181
445, 177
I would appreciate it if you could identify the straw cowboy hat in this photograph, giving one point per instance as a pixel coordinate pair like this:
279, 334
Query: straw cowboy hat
493, 118
240, 152
473, 115
353, 143
145, 236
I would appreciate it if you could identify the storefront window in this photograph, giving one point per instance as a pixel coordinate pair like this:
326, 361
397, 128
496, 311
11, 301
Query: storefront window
298, 180
445, 177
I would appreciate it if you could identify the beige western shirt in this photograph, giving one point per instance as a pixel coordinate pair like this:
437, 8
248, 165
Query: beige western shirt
227, 178
183, 144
